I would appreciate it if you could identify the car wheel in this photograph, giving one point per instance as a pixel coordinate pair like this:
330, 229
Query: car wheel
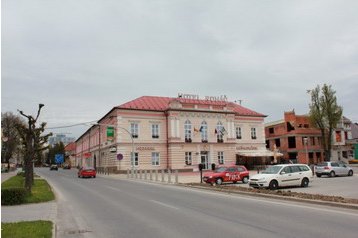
273, 185
305, 182
332, 174
235, 182
94, 176
245, 180
318, 175
350, 173
219, 181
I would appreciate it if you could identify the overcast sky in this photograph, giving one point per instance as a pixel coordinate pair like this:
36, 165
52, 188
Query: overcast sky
81, 58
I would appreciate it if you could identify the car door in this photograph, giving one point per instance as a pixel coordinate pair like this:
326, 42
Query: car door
231, 174
335, 167
285, 177
297, 175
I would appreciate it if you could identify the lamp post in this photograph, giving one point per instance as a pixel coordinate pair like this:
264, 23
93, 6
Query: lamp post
305, 141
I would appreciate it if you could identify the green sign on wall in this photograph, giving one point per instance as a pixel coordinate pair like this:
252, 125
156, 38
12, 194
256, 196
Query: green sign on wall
110, 133
356, 151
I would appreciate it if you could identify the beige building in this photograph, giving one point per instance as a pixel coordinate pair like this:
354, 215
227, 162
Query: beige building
174, 133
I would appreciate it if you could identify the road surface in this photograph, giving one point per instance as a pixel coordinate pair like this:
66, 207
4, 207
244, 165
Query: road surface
107, 207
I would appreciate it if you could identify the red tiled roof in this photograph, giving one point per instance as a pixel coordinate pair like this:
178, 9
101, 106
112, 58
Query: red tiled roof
154, 103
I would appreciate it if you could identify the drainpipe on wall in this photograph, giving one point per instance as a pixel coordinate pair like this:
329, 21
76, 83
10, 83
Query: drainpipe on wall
167, 125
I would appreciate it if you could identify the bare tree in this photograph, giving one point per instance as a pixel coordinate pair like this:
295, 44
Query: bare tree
32, 140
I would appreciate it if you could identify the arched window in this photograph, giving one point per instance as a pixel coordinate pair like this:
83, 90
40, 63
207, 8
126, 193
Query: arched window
219, 132
187, 131
204, 131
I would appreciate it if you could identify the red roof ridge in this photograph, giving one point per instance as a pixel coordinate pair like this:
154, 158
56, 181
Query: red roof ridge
158, 103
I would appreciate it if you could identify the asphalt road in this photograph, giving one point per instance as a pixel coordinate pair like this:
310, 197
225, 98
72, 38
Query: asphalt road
107, 207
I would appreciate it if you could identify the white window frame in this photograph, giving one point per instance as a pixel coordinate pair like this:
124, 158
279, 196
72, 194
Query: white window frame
188, 158
221, 157
136, 159
238, 133
253, 133
219, 133
155, 159
134, 130
155, 131
204, 131
187, 130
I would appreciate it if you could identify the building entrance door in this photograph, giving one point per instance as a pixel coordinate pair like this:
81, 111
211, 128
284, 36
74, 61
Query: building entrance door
205, 159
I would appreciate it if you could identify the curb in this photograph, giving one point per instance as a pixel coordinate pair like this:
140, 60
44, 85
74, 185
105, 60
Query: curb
278, 197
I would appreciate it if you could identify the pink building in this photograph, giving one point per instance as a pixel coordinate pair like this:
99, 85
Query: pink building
173, 133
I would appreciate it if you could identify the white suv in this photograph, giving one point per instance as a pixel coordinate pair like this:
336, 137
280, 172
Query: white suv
282, 175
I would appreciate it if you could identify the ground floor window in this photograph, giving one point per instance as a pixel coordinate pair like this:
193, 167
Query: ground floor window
188, 159
155, 158
221, 157
134, 159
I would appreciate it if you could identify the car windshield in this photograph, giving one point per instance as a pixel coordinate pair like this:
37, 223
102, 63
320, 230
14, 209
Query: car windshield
272, 170
220, 169
322, 164
88, 169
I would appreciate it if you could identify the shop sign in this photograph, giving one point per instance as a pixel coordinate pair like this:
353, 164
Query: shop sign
246, 147
145, 148
110, 133
87, 155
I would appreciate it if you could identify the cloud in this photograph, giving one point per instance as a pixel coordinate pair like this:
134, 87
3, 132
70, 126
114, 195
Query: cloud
81, 58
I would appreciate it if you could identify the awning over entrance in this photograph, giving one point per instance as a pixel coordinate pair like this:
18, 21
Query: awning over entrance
263, 153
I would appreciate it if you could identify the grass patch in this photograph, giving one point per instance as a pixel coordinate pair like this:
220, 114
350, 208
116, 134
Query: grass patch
41, 190
28, 229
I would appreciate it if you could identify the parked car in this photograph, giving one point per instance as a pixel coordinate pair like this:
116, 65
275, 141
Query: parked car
53, 167
333, 169
86, 172
282, 175
224, 174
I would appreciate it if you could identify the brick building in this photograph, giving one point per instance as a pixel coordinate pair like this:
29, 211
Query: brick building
295, 138
174, 133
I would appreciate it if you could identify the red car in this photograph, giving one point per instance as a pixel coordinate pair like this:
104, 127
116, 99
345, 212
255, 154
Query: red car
225, 174
86, 172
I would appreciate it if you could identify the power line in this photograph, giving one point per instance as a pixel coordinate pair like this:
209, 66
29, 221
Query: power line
73, 125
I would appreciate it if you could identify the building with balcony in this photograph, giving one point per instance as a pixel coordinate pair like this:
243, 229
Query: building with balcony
295, 138
174, 133
342, 148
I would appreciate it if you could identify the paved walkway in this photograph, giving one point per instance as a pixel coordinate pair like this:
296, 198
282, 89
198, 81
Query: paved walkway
28, 212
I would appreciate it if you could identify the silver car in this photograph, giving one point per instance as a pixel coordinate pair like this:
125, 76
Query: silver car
333, 169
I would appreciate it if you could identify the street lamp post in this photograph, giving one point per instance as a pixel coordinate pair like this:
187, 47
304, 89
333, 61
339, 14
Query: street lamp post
305, 140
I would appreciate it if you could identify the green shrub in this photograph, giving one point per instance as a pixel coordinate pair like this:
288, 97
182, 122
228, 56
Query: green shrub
21, 173
12, 196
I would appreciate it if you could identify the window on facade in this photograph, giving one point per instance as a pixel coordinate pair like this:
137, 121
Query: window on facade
219, 132
187, 131
271, 130
277, 142
313, 141
253, 133
267, 144
188, 160
221, 157
155, 131
134, 130
134, 159
238, 133
338, 136
291, 142
155, 159
204, 131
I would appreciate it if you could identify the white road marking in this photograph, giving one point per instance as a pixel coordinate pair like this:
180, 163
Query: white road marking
164, 204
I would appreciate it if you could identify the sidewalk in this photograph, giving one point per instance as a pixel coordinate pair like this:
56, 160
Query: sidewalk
28, 212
